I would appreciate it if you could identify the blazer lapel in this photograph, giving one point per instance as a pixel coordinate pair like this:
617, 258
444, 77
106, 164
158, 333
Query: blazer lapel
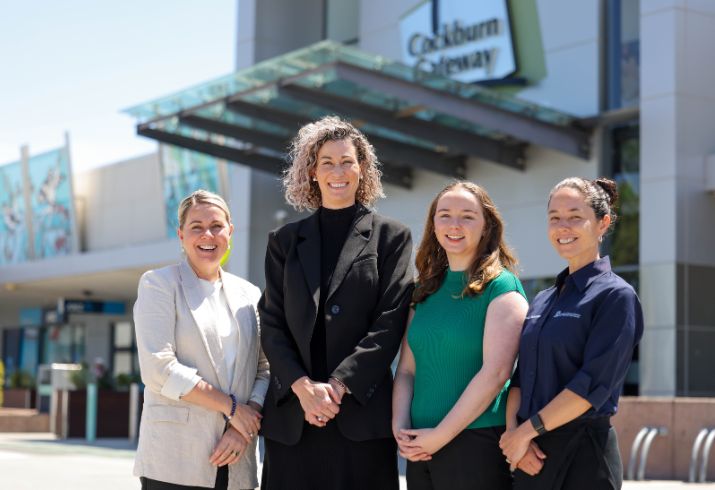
204, 320
357, 239
309, 255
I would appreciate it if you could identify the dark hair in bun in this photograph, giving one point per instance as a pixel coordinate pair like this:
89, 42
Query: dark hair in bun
609, 187
601, 194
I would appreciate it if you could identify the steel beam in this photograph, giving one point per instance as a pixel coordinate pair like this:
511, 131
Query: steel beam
392, 174
568, 139
261, 162
389, 150
457, 140
255, 137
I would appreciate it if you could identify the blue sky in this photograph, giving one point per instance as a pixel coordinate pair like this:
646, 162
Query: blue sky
73, 65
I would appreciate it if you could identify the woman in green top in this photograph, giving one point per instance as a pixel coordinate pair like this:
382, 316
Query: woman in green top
449, 397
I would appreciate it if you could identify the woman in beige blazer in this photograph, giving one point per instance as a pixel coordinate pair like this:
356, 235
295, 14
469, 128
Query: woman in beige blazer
200, 357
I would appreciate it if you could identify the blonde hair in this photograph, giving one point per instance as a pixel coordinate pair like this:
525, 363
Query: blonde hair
201, 196
301, 191
492, 255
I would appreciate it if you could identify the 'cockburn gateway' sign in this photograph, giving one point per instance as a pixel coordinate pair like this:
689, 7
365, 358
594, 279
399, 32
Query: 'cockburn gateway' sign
469, 41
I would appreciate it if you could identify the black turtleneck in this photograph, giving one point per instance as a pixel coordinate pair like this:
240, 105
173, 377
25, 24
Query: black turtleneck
334, 227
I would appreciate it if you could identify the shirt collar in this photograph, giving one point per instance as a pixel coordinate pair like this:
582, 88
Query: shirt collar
583, 277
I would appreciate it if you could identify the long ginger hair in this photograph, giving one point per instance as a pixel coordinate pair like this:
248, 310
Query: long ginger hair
492, 255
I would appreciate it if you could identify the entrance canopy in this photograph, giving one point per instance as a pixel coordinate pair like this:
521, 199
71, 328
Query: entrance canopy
414, 119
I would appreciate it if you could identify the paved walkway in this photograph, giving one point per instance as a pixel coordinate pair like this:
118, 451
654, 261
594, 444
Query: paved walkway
39, 462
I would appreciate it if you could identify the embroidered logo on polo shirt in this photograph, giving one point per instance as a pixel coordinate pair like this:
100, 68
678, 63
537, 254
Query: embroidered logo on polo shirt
568, 314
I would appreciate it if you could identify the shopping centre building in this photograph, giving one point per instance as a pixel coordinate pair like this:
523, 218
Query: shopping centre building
512, 94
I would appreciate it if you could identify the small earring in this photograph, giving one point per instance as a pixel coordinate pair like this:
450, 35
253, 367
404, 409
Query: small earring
315, 179
600, 239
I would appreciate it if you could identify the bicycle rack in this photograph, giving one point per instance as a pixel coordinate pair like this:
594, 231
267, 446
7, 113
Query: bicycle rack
704, 439
641, 445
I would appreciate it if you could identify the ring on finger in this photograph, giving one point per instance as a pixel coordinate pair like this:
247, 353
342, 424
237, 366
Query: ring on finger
319, 418
251, 434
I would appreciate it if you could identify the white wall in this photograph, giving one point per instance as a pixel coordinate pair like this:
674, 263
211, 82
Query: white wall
123, 204
570, 37
520, 196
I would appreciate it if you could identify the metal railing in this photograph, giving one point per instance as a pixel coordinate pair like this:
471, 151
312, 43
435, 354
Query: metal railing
704, 439
640, 449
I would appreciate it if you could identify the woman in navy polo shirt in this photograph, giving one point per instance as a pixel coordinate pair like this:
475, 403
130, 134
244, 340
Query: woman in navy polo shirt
576, 345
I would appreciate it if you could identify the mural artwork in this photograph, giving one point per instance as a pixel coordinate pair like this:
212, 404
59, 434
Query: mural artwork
51, 198
184, 172
13, 225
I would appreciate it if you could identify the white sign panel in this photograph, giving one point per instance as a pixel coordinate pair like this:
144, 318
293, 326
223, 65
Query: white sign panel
466, 41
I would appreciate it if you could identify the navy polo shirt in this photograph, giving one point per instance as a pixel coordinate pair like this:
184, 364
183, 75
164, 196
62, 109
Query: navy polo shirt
579, 334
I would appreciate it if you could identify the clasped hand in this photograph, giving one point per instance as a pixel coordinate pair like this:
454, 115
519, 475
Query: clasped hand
418, 444
522, 452
320, 401
247, 420
230, 448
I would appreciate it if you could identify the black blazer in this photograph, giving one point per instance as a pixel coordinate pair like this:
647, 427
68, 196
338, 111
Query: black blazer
365, 314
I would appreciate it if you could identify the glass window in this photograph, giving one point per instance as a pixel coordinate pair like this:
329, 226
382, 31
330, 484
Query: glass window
11, 349
622, 245
30, 349
63, 343
124, 358
623, 53
533, 286
123, 335
122, 363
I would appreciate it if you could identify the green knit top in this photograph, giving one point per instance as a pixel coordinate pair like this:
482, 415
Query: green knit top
446, 337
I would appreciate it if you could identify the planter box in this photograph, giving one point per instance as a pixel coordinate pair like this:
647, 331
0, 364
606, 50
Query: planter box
19, 398
112, 413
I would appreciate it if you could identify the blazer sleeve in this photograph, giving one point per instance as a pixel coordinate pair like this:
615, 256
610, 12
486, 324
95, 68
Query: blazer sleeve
155, 326
263, 375
365, 367
276, 339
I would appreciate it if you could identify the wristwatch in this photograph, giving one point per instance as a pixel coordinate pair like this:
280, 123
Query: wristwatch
538, 424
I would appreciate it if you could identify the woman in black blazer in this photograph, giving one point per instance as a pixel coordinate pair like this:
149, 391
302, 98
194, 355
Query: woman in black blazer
338, 287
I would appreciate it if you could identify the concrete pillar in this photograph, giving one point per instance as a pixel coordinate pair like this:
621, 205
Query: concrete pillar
677, 242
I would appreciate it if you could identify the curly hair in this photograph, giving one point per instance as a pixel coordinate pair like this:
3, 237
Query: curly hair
491, 257
301, 191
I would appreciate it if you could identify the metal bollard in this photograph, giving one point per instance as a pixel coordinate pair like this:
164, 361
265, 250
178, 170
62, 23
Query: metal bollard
706, 456
642, 443
654, 431
695, 453
91, 425
133, 411
633, 460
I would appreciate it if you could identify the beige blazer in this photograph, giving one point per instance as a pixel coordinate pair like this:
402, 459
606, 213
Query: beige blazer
177, 340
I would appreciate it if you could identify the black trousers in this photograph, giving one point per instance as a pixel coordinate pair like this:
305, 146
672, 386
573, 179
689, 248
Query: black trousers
472, 460
324, 459
221, 483
580, 455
